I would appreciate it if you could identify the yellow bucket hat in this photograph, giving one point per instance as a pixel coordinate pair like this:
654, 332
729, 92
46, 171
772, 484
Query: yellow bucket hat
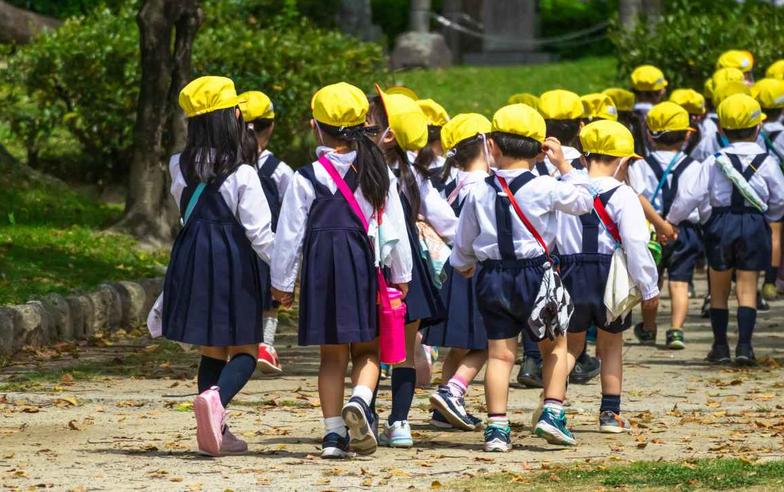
690, 100
741, 59
623, 99
608, 138
708, 89
463, 127
403, 90
769, 93
256, 105
340, 105
207, 94
598, 105
740, 111
524, 98
775, 70
435, 113
728, 74
668, 117
727, 89
406, 120
648, 78
520, 119
560, 105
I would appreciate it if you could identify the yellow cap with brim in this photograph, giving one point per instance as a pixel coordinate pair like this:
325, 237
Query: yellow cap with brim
406, 120
403, 90
728, 74
521, 120
727, 89
668, 117
740, 111
741, 59
775, 70
623, 99
559, 104
435, 113
769, 93
462, 127
708, 88
340, 105
648, 78
599, 106
207, 94
256, 105
524, 98
608, 138
690, 100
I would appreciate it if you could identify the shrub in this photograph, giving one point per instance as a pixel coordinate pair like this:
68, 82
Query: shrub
689, 38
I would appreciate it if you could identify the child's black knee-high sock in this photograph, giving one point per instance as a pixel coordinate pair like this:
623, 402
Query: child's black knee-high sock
771, 273
209, 372
403, 382
747, 317
720, 318
531, 349
235, 376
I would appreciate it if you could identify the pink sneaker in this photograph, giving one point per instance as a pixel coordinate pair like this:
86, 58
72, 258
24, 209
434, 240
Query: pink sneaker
232, 444
209, 422
268, 360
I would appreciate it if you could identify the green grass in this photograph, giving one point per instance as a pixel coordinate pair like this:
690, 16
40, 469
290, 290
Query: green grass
713, 474
485, 89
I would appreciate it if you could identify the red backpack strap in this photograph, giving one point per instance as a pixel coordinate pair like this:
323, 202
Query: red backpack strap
605, 218
523, 218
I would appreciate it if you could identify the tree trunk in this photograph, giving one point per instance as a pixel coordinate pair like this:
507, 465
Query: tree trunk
20, 26
419, 18
629, 11
150, 214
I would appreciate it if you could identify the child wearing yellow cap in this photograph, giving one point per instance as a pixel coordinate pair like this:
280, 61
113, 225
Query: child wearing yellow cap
586, 245
649, 87
431, 156
402, 128
212, 294
712, 139
321, 234
274, 174
509, 248
464, 139
744, 187
562, 112
694, 104
624, 102
742, 60
665, 172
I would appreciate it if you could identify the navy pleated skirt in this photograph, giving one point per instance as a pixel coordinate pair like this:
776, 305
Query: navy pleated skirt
464, 327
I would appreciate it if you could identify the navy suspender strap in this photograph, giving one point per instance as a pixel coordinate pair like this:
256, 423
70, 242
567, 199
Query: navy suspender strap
270, 165
503, 216
590, 224
737, 202
541, 169
450, 187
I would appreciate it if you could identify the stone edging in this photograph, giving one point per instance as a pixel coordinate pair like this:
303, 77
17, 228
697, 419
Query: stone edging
56, 318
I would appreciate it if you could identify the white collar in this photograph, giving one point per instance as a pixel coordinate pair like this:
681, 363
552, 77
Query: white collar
773, 126
570, 153
345, 159
744, 148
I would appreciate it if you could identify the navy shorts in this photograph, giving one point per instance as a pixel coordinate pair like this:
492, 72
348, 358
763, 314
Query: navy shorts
738, 240
505, 292
585, 276
680, 258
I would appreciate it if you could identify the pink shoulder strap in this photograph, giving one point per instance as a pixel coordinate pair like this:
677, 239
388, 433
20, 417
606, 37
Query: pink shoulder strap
344, 190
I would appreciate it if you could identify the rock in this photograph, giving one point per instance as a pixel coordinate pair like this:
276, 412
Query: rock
82, 316
60, 313
421, 50
133, 298
107, 308
6, 331
31, 325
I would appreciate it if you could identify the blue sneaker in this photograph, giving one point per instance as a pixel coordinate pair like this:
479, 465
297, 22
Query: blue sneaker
359, 421
552, 427
475, 420
396, 435
498, 439
452, 408
438, 421
334, 446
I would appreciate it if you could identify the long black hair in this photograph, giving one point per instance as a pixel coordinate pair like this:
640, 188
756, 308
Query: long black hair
462, 154
250, 144
214, 145
370, 164
427, 156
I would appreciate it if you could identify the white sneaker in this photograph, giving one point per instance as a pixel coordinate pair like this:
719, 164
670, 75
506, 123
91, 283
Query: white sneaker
397, 435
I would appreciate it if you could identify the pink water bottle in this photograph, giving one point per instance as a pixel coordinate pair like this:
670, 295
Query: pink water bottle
391, 324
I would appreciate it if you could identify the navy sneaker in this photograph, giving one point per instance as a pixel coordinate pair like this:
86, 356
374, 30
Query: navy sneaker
438, 421
451, 408
530, 374
719, 354
644, 336
744, 355
334, 446
359, 421
498, 439
585, 369
552, 427
475, 420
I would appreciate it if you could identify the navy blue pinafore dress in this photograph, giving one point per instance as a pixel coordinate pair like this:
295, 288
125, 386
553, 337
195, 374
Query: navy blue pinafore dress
270, 189
338, 282
464, 327
213, 288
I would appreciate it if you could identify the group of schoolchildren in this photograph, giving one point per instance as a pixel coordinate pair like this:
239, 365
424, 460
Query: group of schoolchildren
560, 215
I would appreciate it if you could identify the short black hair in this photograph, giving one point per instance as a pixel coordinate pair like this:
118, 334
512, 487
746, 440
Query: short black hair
602, 158
261, 125
773, 114
648, 96
516, 146
669, 139
566, 131
740, 135
433, 133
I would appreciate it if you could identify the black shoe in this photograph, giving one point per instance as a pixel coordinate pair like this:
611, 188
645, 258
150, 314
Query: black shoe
530, 374
644, 336
705, 310
762, 304
719, 354
744, 355
585, 369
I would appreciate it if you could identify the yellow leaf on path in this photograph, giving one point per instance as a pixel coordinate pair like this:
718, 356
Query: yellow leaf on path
435, 484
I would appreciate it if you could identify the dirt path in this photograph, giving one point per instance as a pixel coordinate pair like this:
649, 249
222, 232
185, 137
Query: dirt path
118, 418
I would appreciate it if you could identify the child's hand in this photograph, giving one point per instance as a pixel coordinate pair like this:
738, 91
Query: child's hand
666, 232
552, 149
467, 273
403, 288
286, 299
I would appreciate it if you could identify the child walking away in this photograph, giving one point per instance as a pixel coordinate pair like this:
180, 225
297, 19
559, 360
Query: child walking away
508, 228
694, 104
212, 294
661, 176
624, 103
586, 244
745, 189
742, 60
464, 139
770, 94
598, 106
649, 86
338, 283
437, 117
274, 174
403, 129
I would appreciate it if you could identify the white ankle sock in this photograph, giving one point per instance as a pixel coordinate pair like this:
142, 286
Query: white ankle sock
336, 425
270, 328
363, 392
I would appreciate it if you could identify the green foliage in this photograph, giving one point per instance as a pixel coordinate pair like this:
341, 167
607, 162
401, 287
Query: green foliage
65, 8
692, 35
559, 17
